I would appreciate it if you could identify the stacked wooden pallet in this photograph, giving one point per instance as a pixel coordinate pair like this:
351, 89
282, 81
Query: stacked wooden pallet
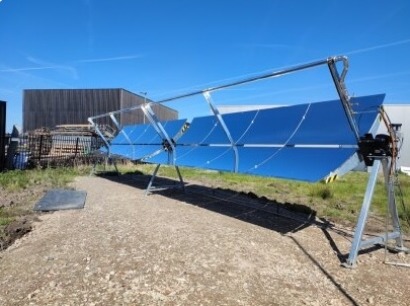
64, 149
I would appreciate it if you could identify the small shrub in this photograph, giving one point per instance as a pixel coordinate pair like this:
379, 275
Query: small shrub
321, 191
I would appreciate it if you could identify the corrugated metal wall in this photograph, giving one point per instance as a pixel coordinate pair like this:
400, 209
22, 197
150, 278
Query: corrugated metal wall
164, 113
129, 99
46, 108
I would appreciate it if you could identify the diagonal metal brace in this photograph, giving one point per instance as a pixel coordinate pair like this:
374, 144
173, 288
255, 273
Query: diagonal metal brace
150, 188
221, 121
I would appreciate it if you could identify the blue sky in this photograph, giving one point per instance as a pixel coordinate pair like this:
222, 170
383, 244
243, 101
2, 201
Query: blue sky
166, 48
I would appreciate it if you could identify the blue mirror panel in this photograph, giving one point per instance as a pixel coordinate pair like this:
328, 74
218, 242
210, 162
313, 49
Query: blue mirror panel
146, 134
305, 164
269, 126
324, 123
239, 124
204, 130
130, 133
134, 152
173, 127
302, 142
216, 158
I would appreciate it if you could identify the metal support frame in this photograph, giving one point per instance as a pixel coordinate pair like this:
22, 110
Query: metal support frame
107, 160
338, 80
169, 146
331, 62
358, 243
150, 188
168, 142
106, 143
218, 116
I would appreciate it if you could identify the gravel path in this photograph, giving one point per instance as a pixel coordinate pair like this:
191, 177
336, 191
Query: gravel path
125, 248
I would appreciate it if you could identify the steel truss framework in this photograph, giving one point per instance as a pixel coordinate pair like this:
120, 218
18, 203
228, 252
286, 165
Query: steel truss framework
163, 147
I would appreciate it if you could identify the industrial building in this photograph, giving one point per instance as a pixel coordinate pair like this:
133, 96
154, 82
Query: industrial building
48, 108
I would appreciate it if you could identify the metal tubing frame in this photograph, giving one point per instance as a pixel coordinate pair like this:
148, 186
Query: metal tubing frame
98, 131
330, 61
153, 119
257, 78
358, 243
389, 181
221, 121
342, 91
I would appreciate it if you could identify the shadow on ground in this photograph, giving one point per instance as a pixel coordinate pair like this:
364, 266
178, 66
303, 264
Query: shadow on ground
248, 207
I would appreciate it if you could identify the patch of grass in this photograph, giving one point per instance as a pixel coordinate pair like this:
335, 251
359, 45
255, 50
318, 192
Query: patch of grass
17, 185
55, 177
322, 191
14, 180
5, 218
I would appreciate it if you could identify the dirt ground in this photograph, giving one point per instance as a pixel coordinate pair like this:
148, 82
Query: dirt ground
201, 247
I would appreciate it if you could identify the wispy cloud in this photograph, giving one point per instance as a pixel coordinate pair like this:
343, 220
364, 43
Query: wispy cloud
42, 65
110, 59
22, 69
382, 46
48, 65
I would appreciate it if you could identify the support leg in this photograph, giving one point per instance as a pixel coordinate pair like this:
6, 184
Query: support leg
107, 161
181, 181
390, 187
151, 181
150, 188
356, 244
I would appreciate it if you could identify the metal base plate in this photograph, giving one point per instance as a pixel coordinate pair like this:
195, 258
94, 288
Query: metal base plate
60, 199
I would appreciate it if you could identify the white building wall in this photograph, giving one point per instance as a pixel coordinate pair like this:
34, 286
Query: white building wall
400, 113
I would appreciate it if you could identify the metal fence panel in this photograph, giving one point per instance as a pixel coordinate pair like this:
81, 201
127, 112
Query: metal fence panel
50, 151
